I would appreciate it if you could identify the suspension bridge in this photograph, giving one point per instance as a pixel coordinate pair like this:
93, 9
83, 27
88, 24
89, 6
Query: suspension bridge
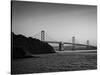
43, 37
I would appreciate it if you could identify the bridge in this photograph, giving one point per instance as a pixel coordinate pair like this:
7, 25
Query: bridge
61, 44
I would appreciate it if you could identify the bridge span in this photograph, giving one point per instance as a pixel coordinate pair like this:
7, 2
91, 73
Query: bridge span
61, 44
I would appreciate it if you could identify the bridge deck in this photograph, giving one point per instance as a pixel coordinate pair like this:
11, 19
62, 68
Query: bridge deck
57, 42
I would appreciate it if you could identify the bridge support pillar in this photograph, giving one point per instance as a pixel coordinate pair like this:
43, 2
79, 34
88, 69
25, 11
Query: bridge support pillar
73, 43
87, 47
61, 46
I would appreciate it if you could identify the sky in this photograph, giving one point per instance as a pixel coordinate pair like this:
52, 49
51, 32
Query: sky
60, 21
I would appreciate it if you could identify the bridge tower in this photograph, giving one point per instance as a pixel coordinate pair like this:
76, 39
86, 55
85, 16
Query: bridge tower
42, 35
73, 42
87, 44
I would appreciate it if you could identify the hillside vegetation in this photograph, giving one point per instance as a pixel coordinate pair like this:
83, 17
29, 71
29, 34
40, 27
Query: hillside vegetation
23, 46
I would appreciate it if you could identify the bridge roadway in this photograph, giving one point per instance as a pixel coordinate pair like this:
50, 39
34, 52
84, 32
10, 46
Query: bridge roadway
65, 43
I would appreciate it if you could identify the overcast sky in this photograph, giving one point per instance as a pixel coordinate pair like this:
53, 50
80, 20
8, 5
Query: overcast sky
59, 21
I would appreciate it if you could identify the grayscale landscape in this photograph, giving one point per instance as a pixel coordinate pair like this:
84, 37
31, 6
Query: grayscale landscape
52, 37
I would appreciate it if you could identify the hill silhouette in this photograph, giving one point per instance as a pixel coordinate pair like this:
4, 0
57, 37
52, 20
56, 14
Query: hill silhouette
23, 46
